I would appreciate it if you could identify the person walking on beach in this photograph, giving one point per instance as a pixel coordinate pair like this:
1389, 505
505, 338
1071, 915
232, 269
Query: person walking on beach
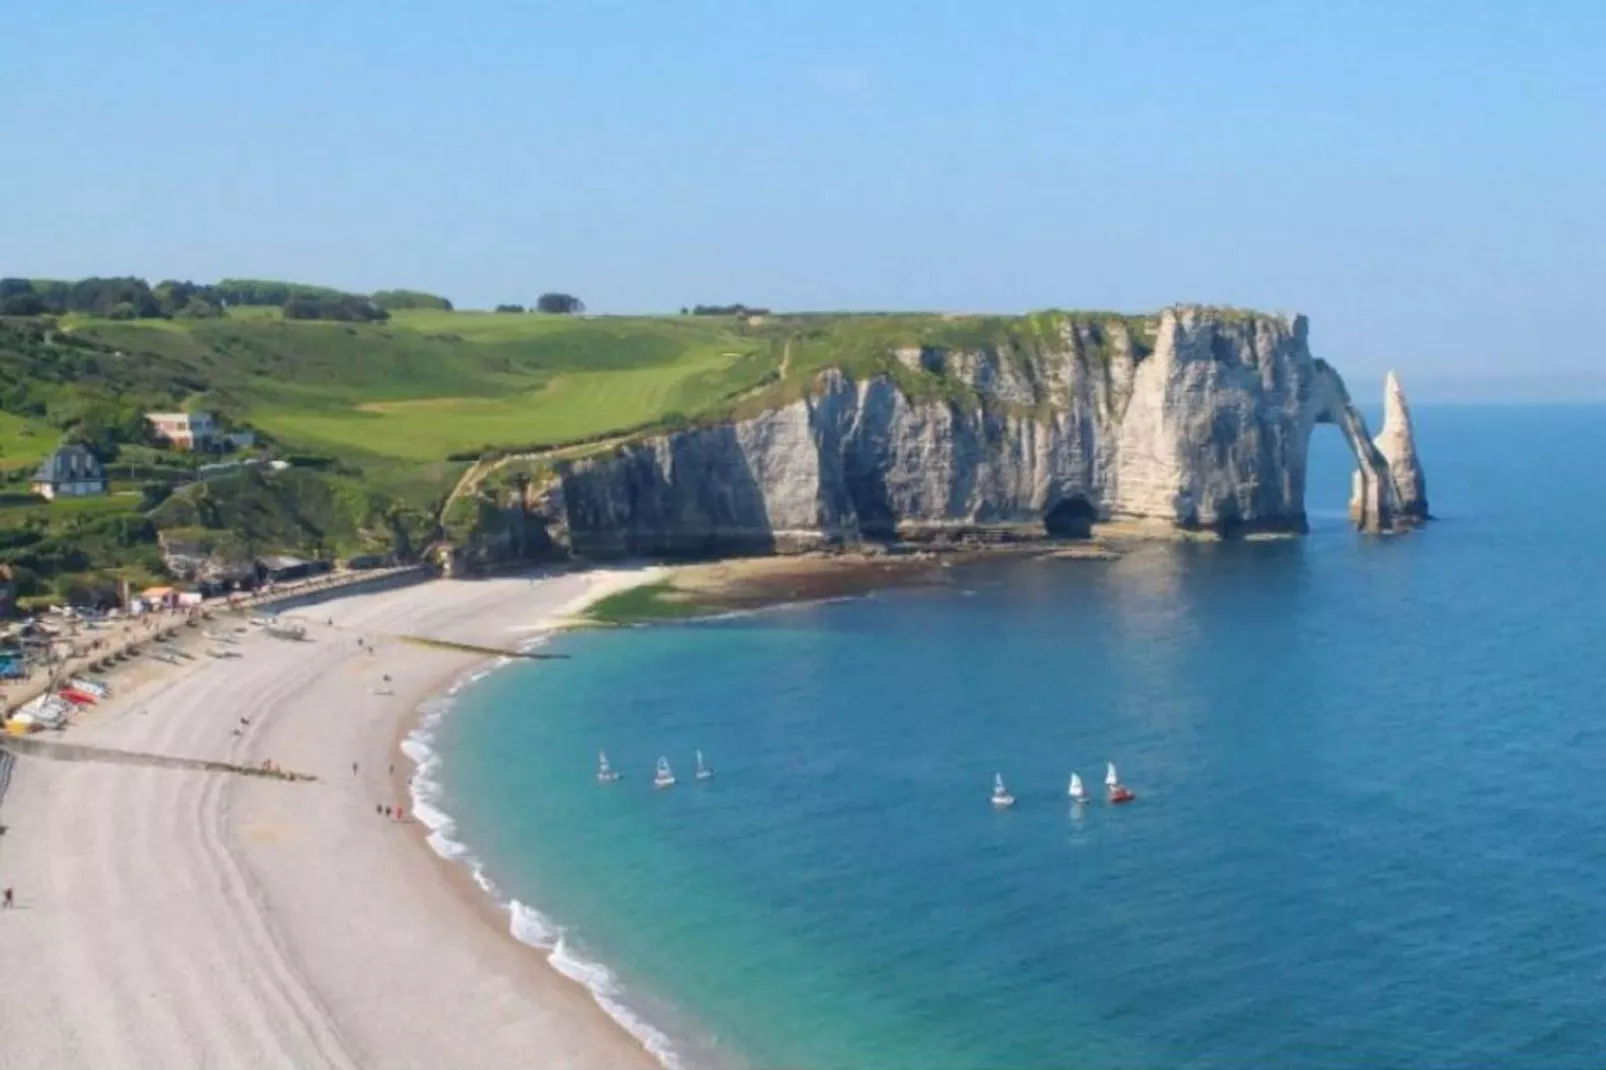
9, 901
353, 768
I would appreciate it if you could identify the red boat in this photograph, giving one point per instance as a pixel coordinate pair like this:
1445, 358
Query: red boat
1117, 791
76, 697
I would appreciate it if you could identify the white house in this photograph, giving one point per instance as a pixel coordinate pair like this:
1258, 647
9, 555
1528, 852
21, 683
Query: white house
183, 430
70, 472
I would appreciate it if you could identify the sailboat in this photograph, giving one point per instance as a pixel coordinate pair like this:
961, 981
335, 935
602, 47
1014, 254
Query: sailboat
1077, 792
663, 776
1001, 796
1117, 791
606, 774
703, 771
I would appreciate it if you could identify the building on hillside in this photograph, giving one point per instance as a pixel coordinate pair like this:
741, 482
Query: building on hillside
70, 472
276, 568
362, 562
184, 430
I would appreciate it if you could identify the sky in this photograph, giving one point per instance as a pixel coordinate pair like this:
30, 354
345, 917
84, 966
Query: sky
1426, 180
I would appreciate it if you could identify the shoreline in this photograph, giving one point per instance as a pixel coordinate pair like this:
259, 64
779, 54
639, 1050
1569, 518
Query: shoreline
177, 917
719, 588
364, 929
456, 861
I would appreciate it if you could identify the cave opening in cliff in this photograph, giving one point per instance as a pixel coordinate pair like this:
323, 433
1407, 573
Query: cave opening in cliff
1071, 518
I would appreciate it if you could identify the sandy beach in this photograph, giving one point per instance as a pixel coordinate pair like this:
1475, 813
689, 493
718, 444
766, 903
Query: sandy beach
182, 918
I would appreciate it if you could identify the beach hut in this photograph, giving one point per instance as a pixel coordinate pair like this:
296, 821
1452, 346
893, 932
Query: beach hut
159, 597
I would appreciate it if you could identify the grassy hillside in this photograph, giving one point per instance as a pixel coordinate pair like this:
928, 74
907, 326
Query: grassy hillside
382, 419
429, 384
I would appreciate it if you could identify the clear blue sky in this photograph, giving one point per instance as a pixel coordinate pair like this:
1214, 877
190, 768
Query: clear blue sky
1426, 180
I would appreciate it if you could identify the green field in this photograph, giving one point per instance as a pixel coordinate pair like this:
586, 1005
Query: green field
428, 384
23, 442
560, 407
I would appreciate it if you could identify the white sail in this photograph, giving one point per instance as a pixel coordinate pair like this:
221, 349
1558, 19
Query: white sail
998, 784
602, 761
703, 772
1109, 775
1077, 791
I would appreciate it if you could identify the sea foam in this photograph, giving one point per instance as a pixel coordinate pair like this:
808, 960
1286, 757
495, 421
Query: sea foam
526, 924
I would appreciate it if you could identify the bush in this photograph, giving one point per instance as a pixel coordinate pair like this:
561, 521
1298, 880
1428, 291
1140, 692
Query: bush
394, 299
341, 308
727, 310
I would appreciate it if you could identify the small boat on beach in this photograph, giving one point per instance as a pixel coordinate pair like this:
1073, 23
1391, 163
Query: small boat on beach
92, 687
663, 776
1118, 792
703, 771
1001, 796
606, 774
1077, 791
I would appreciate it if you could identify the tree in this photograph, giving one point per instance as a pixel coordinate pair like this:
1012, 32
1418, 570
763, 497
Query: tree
267, 291
559, 304
22, 304
198, 308
119, 298
188, 299
510, 308
394, 299
345, 308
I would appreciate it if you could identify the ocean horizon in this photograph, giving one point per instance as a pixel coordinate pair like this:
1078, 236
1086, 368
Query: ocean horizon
1365, 831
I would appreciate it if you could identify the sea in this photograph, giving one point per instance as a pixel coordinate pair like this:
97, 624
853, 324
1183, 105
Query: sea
1370, 825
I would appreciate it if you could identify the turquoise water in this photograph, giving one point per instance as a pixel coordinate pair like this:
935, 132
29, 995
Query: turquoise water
1368, 833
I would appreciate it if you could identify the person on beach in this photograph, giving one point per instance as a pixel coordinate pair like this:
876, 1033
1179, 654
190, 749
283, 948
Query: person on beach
9, 901
353, 768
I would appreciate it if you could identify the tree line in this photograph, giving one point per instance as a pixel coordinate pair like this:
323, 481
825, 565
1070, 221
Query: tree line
553, 304
130, 298
724, 310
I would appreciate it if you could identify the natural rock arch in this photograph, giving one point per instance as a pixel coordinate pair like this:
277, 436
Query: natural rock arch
1388, 491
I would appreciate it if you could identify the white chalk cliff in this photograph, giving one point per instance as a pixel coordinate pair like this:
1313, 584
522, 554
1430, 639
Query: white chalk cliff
1198, 418
1397, 443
